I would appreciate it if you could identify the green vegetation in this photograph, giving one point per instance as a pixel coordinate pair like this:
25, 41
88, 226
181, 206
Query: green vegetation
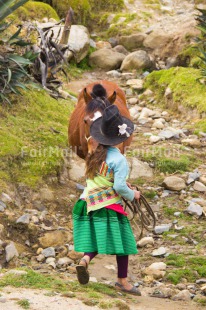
24, 303
104, 296
9, 6
164, 162
154, 4
191, 268
33, 137
34, 11
190, 57
150, 194
84, 8
201, 39
185, 85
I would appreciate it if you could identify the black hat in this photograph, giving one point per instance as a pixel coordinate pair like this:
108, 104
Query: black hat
112, 128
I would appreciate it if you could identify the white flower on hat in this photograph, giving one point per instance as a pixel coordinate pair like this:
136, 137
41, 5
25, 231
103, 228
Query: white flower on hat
122, 130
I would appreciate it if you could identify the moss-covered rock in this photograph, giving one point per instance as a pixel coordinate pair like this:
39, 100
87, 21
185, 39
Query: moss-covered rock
34, 11
187, 90
33, 137
85, 10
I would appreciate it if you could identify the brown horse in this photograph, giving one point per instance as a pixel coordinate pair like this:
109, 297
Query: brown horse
92, 101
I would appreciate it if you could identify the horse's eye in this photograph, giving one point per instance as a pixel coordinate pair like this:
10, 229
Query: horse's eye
85, 121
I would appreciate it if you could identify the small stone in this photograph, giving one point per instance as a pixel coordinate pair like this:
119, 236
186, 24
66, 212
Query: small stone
183, 295
35, 219
154, 139
3, 300
145, 241
40, 258
5, 198
50, 260
203, 179
159, 252
24, 219
11, 252
200, 187
191, 142
49, 252
133, 101
75, 256
170, 132
52, 265
177, 214
201, 281
93, 279
158, 266
135, 84
158, 124
194, 209
64, 262
46, 194
162, 228
2, 205
110, 267
17, 272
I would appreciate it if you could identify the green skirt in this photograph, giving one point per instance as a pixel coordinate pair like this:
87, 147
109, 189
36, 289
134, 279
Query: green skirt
104, 231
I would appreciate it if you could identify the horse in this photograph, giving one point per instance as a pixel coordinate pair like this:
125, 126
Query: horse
92, 100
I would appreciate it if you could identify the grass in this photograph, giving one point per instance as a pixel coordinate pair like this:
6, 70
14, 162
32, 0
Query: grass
24, 303
33, 137
181, 81
191, 268
104, 296
165, 163
150, 194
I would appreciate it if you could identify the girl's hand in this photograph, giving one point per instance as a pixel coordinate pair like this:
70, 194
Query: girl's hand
136, 194
129, 185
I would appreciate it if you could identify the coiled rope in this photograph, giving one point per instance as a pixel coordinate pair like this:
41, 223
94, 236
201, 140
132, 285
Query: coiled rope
141, 209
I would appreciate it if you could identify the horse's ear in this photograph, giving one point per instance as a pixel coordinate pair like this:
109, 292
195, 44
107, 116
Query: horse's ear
112, 98
87, 97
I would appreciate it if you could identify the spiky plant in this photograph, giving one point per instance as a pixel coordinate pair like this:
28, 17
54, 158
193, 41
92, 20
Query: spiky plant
9, 6
13, 67
201, 40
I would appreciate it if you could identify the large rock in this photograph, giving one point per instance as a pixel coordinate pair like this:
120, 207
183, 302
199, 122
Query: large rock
52, 239
133, 41
174, 183
79, 41
156, 40
106, 59
139, 169
136, 60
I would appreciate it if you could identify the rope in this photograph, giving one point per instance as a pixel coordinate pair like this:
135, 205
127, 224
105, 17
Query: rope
141, 208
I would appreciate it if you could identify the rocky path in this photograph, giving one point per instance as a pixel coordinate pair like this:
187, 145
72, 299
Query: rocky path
39, 300
169, 201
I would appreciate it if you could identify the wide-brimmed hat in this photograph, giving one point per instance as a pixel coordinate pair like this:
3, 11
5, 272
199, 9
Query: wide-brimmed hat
111, 128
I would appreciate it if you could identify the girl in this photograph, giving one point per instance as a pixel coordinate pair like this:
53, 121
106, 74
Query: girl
99, 221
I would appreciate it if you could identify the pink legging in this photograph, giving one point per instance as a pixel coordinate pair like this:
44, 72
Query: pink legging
122, 263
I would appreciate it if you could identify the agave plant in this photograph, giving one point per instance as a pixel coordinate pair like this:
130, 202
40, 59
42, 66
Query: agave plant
201, 40
13, 67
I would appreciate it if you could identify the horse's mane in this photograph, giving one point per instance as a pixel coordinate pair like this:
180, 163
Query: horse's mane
99, 99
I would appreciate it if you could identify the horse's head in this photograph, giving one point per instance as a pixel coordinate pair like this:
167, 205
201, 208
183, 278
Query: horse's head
95, 102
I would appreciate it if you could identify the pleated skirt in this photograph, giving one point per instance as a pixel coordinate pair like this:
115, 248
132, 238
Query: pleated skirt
104, 231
